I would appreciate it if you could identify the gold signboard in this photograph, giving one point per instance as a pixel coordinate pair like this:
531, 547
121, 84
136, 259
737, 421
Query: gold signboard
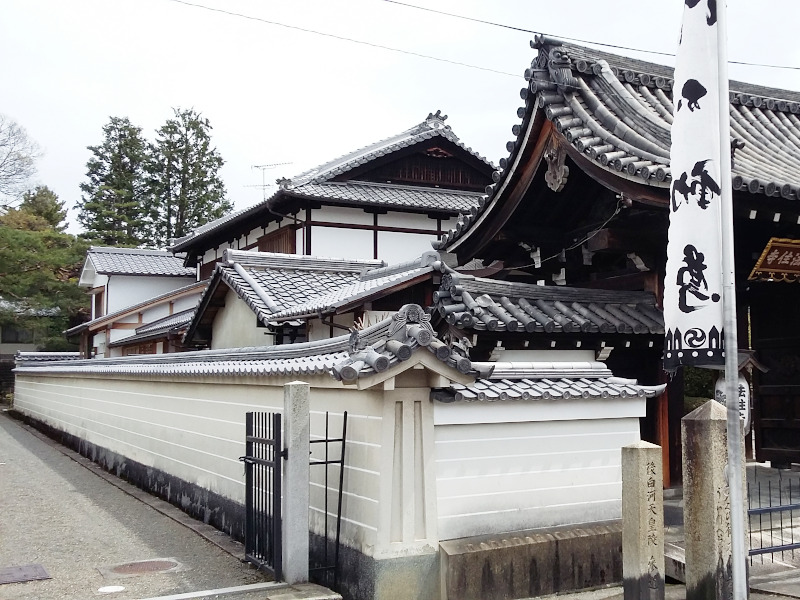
780, 261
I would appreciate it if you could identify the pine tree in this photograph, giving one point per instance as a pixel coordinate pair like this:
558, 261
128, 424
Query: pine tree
185, 189
43, 202
39, 269
111, 209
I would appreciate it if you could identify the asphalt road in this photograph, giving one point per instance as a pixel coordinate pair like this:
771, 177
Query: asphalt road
62, 515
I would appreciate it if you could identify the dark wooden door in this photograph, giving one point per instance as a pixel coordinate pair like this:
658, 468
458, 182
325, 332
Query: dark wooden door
775, 328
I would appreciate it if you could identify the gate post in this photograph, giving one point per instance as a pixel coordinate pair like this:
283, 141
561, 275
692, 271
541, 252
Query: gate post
296, 479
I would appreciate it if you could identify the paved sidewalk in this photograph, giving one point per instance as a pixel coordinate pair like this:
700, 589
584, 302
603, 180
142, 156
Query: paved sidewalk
61, 511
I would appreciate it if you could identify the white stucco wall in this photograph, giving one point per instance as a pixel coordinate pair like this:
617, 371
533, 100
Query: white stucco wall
194, 430
505, 466
235, 326
123, 291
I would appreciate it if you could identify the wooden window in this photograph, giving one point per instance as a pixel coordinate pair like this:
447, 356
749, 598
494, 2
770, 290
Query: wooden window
281, 241
99, 304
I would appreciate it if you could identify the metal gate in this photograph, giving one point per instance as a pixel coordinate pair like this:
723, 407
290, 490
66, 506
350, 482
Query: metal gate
774, 513
325, 566
262, 467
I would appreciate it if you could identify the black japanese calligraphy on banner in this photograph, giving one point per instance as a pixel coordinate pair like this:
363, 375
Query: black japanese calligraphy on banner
693, 285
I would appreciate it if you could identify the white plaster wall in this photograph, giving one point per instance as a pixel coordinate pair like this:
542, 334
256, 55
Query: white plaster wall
505, 466
339, 214
235, 326
400, 247
194, 430
124, 291
317, 330
341, 243
407, 221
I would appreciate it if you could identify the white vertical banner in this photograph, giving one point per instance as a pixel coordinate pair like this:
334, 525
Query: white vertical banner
693, 308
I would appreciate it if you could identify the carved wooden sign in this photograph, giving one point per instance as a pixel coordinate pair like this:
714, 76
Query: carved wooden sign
780, 261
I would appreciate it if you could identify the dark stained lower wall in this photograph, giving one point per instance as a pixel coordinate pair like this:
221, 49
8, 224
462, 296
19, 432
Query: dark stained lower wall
525, 564
213, 509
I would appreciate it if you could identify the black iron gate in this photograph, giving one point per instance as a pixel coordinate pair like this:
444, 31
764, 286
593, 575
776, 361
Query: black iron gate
774, 513
323, 563
263, 492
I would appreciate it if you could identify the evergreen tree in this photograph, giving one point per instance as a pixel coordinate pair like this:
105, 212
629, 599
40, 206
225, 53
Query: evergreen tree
39, 269
43, 202
111, 207
185, 189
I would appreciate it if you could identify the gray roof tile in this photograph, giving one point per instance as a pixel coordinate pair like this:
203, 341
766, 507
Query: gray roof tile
488, 304
390, 196
394, 196
135, 261
617, 112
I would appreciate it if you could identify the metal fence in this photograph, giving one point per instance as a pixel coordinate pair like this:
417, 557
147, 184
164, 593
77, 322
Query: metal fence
262, 463
327, 567
774, 513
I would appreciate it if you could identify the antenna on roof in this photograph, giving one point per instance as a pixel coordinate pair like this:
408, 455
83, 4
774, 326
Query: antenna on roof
264, 168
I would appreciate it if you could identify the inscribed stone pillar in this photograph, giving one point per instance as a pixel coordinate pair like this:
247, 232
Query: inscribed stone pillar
295, 482
707, 510
642, 522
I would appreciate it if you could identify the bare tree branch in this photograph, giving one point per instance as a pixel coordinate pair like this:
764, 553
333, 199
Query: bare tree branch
18, 154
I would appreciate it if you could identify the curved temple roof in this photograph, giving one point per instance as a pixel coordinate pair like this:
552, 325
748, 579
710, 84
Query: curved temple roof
617, 113
487, 304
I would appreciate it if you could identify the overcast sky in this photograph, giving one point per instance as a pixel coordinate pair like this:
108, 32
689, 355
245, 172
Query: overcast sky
277, 94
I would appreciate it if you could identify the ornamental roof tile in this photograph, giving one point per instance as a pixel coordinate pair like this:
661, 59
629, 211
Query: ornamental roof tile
136, 261
487, 304
617, 112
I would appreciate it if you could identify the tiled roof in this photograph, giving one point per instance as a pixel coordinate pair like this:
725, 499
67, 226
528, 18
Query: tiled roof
359, 193
26, 357
135, 261
488, 304
172, 324
432, 126
196, 286
275, 283
547, 381
374, 282
617, 113
307, 184
391, 340
271, 283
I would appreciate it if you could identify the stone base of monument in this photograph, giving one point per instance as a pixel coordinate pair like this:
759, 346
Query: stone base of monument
525, 564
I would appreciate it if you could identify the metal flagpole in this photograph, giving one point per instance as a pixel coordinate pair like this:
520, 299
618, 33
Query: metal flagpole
734, 424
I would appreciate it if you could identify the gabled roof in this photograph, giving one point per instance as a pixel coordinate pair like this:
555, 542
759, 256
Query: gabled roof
368, 352
192, 288
487, 304
614, 115
370, 284
547, 381
318, 184
432, 126
271, 283
136, 261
